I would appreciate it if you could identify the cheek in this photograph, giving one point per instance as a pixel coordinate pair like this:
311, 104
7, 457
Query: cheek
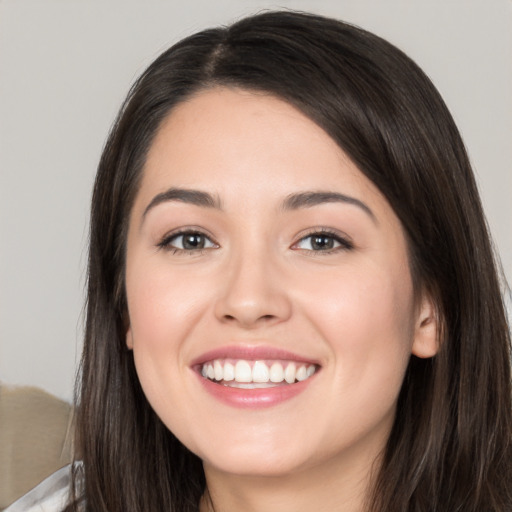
366, 319
163, 309
162, 305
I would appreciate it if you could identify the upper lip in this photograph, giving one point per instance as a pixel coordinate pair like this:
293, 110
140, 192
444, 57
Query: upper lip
251, 353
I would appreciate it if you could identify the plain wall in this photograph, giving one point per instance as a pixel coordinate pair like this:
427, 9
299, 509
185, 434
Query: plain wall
65, 66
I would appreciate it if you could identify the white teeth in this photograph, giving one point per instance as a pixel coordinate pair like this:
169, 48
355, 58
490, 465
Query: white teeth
247, 373
260, 372
251, 385
229, 372
243, 372
289, 373
276, 373
219, 372
301, 374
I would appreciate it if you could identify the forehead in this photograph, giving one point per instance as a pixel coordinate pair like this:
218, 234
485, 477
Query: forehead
225, 140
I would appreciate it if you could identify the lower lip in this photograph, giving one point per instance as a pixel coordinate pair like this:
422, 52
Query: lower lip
254, 398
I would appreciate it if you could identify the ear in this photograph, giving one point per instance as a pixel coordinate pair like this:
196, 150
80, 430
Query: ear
129, 338
426, 332
128, 330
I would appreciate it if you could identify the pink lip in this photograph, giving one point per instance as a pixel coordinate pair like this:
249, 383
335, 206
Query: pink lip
251, 398
254, 398
251, 353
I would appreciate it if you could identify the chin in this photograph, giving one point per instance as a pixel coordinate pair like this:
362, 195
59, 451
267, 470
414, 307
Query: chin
266, 458
255, 465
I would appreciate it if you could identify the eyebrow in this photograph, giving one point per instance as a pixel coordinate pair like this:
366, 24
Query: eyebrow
292, 202
184, 195
309, 199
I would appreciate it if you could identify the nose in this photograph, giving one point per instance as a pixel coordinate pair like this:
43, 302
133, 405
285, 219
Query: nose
253, 294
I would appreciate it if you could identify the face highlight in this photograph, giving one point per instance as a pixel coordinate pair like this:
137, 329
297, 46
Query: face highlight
271, 306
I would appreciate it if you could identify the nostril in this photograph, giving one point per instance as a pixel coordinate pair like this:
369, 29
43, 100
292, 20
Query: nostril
249, 321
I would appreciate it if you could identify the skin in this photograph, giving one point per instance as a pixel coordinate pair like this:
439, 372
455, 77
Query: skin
260, 282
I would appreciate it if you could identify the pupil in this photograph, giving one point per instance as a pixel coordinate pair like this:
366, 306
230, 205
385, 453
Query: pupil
322, 242
193, 241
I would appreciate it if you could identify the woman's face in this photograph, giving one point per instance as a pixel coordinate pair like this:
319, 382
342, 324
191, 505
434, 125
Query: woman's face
270, 301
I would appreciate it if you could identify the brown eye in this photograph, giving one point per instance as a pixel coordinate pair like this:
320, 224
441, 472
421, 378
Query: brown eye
193, 241
322, 242
187, 241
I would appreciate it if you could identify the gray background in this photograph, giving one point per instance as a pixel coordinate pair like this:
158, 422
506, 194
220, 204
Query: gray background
65, 66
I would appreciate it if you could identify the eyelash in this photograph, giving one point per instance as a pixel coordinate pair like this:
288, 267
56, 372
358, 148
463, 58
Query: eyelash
344, 243
165, 243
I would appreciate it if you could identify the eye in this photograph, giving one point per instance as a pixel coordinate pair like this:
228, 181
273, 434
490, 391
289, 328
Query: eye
190, 241
323, 242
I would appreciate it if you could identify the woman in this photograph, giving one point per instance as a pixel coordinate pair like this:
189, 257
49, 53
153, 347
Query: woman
292, 298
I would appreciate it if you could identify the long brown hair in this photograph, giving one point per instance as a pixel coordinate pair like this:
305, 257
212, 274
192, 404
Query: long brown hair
449, 449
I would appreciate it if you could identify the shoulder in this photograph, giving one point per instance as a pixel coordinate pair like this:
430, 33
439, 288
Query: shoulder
51, 495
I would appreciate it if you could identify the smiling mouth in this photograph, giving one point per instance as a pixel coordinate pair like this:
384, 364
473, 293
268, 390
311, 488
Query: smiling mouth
256, 374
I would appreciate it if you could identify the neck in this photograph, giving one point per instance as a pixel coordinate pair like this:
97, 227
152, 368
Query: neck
338, 484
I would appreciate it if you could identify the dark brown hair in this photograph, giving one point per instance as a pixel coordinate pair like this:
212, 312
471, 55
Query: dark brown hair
449, 449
